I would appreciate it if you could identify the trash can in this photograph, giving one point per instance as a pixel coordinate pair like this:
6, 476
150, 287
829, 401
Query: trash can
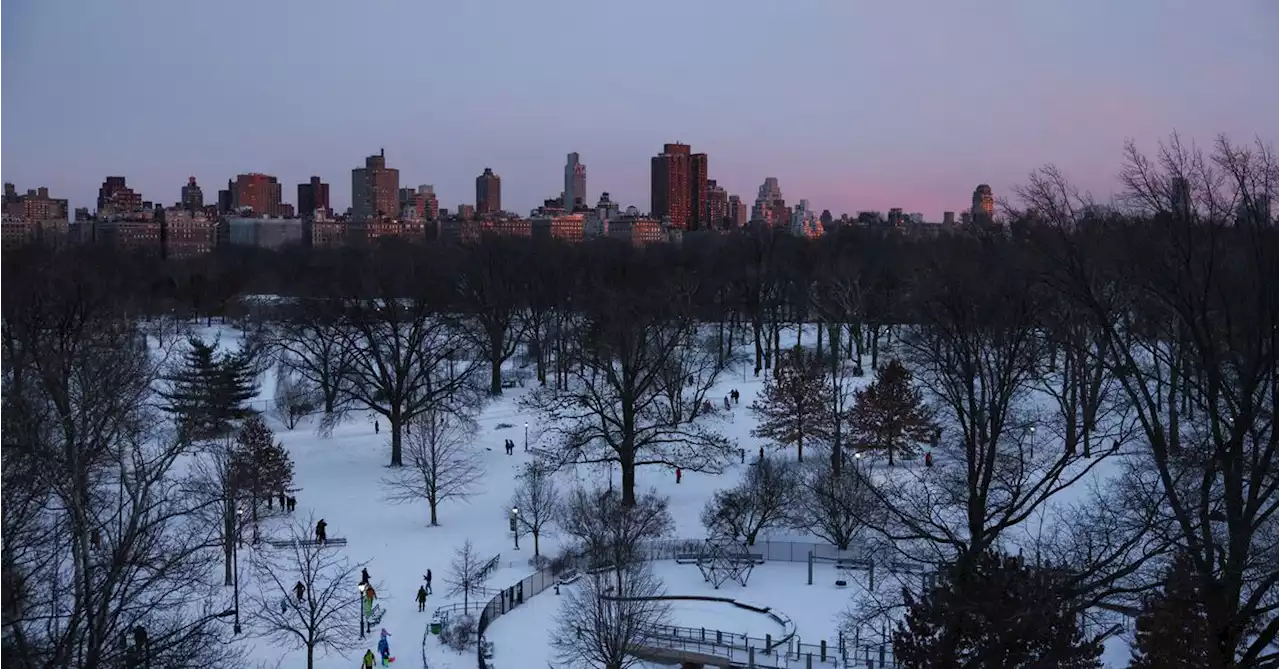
435, 624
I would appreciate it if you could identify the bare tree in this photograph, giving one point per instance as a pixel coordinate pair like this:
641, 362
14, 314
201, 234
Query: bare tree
294, 399
1186, 307
469, 574
442, 462
326, 616
834, 507
98, 542
635, 392
610, 533
762, 500
308, 342
603, 626
538, 500
489, 287
406, 361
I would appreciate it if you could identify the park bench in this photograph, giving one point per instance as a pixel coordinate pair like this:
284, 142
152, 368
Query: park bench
568, 577
690, 558
290, 543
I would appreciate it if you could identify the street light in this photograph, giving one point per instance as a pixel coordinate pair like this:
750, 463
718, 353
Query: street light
526, 436
361, 588
235, 566
515, 529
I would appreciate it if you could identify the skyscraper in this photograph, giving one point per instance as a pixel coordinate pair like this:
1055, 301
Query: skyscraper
717, 206
192, 196
984, 204
260, 193
670, 185
375, 189
488, 193
739, 212
313, 196
698, 215
770, 208
575, 183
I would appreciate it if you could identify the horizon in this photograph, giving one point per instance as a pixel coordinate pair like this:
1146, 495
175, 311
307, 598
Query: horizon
797, 92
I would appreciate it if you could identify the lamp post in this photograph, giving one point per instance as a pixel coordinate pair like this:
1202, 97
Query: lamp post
515, 528
235, 567
526, 436
1031, 429
361, 588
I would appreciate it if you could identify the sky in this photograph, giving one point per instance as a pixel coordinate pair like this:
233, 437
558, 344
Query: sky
851, 104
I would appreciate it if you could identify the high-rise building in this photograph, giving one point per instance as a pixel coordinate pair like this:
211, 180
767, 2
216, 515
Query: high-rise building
375, 189
671, 186
698, 215
114, 197
804, 223
770, 208
739, 212
488, 193
192, 196
717, 206
224, 200
36, 205
984, 204
948, 218
258, 193
575, 183
826, 219
313, 197
420, 204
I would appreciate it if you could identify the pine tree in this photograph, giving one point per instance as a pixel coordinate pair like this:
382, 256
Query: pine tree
1172, 631
260, 466
795, 407
208, 391
890, 415
998, 613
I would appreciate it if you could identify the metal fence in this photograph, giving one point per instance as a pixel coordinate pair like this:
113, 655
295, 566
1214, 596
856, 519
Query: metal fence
509, 598
846, 651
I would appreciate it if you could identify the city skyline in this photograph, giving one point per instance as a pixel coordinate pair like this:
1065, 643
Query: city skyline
1064, 83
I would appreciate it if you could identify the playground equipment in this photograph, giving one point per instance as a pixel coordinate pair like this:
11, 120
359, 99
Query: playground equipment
721, 559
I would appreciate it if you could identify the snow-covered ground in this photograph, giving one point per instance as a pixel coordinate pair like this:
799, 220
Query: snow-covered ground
339, 480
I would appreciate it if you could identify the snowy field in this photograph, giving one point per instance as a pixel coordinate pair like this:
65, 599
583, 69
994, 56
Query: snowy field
339, 480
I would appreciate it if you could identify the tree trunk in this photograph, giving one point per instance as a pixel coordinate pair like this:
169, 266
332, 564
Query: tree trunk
435, 522
627, 464
311, 654
535, 534
228, 534
396, 437
495, 375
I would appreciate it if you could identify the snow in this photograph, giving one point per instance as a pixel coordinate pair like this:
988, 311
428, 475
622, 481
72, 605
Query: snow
338, 479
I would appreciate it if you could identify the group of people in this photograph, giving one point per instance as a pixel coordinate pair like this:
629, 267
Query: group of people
423, 591
320, 531
384, 649
287, 502
509, 446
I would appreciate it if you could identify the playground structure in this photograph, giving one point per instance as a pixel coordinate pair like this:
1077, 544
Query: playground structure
869, 565
721, 559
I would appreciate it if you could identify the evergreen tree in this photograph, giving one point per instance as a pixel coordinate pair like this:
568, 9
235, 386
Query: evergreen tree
890, 415
260, 465
998, 613
795, 407
208, 391
1172, 632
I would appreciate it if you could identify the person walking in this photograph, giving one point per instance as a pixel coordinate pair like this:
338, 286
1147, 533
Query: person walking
369, 659
375, 427
422, 598
299, 589
427, 578
364, 576
320, 535
679, 473
384, 648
